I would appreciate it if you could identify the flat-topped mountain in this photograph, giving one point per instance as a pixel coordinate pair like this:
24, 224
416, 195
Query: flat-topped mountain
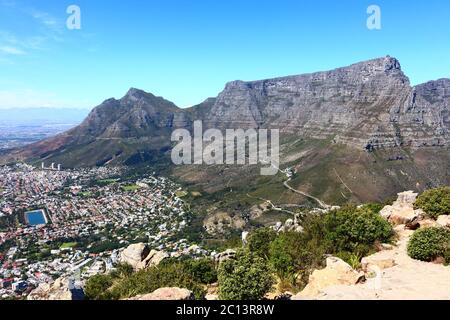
368, 106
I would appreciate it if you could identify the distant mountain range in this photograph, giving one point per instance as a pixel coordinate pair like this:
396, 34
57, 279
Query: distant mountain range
41, 116
360, 132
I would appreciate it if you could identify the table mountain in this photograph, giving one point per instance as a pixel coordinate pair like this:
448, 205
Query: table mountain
365, 117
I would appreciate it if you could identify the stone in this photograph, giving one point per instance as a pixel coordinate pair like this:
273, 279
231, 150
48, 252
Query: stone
381, 260
154, 258
134, 254
139, 256
225, 255
336, 272
443, 221
402, 210
166, 294
426, 223
413, 225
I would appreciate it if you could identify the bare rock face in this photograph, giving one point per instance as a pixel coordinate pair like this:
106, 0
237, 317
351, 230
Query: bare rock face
166, 294
139, 256
337, 272
402, 210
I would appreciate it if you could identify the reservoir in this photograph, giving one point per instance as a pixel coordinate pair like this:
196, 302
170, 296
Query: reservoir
36, 217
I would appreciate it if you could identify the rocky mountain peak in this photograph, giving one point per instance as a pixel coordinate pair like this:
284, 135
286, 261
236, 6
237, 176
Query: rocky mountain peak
135, 94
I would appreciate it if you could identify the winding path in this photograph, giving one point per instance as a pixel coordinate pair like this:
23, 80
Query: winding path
320, 202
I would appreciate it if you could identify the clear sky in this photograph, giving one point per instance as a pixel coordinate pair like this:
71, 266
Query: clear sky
187, 50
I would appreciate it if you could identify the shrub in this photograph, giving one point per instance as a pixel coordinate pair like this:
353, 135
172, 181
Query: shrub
292, 257
434, 202
429, 243
355, 230
164, 275
259, 241
97, 286
248, 277
202, 270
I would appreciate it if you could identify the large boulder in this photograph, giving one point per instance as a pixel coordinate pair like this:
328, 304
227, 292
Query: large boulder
337, 272
154, 258
134, 254
402, 210
139, 256
166, 294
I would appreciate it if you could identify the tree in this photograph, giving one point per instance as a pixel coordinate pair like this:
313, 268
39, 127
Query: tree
259, 241
355, 230
248, 277
202, 270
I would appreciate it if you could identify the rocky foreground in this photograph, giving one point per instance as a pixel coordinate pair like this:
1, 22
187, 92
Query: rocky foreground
389, 274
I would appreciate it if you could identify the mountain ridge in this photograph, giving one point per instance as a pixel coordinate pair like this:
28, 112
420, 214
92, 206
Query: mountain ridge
369, 104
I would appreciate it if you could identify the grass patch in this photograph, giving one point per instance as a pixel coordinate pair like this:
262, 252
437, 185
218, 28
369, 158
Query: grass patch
131, 187
68, 245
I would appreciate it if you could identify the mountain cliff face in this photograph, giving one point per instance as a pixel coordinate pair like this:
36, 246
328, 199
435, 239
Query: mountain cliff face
368, 106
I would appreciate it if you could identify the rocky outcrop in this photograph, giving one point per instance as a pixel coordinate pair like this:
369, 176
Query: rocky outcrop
402, 210
336, 272
139, 256
393, 275
289, 225
166, 294
154, 258
225, 255
221, 221
61, 289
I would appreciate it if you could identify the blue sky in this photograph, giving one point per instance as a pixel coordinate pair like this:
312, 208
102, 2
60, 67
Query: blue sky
187, 50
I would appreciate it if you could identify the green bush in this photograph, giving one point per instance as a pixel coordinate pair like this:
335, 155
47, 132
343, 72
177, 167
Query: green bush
97, 286
202, 270
124, 283
293, 258
259, 241
355, 230
163, 275
248, 277
429, 243
434, 202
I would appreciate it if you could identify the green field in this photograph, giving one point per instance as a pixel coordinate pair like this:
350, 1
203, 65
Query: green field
68, 245
181, 193
131, 187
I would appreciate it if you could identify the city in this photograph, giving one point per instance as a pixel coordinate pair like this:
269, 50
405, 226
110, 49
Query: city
90, 216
